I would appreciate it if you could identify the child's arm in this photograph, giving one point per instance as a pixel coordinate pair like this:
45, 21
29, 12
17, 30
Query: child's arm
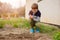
31, 15
39, 14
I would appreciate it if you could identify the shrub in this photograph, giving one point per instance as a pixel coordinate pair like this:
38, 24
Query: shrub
15, 25
19, 23
56, 36
46, 28
2, 23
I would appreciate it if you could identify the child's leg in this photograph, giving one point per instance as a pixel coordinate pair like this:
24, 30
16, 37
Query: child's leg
32, 26
37, 29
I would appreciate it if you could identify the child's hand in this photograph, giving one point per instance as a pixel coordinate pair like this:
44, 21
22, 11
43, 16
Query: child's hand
31, 16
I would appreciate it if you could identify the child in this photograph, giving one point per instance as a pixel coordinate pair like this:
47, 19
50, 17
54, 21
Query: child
35, 17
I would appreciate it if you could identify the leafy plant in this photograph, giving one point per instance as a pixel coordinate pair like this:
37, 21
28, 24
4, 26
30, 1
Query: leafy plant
2, 23
46, 28
56, 36
15, 25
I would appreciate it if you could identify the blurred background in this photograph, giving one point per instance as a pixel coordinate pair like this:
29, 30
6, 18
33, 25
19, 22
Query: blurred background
50, 9
12, 8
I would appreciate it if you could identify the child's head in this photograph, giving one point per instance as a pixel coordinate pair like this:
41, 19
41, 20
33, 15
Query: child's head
34, 7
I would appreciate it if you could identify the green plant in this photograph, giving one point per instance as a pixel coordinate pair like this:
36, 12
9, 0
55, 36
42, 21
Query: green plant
15, 25
18, 22
56, 36
46, 28
2, 23
26, 24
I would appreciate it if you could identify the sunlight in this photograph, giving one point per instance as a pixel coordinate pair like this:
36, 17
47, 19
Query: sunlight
15, 3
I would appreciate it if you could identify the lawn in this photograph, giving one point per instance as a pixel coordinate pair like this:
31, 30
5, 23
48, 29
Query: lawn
52, 31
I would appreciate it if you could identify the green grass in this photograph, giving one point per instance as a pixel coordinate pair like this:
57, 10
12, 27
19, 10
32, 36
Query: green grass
2, 23
56, 36
15, 22
23, 23
52, 31
47, 29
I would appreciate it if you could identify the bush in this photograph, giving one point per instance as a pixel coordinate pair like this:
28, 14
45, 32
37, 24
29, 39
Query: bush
2, 23
56, 36
15, 25
46, 28
19, 23
26, 23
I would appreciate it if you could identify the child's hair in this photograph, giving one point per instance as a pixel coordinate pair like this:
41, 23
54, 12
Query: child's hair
34, 6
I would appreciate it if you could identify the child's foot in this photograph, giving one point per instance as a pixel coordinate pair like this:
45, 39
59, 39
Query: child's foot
31, 30
37, 30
